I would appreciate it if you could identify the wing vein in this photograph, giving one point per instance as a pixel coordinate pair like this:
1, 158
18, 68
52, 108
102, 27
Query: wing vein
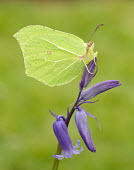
63, 70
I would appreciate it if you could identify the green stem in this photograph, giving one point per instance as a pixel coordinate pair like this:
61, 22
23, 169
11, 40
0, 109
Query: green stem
59, 149
56, 161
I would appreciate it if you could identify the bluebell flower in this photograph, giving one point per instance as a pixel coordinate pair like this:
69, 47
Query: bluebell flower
61, 132
98, 88
82, 125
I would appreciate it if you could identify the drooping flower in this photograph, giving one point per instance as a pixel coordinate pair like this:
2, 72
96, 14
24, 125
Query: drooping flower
98, 88
61, 132
82, 125
88, 74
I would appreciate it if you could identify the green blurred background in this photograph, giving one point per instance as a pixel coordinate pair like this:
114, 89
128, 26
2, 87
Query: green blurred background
27, 141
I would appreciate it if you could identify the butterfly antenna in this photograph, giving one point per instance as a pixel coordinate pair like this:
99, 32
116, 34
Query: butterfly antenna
95, 31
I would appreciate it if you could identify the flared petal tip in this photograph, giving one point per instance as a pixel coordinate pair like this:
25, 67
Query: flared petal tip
59, 157
77, 145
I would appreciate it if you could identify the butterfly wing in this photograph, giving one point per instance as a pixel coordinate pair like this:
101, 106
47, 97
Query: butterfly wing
51, 56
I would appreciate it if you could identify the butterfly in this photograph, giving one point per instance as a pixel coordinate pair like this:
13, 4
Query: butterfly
53, 57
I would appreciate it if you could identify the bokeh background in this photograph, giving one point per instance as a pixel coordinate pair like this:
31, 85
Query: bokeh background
27, 141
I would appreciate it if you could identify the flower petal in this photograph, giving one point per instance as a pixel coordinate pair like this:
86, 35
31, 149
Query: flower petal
81, 123
98, 88
76, 152
59, 157
77, 144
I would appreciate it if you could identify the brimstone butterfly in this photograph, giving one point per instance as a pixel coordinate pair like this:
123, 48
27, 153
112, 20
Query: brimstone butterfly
53, 57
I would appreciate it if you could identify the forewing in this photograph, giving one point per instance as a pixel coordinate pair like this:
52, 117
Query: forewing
51, 56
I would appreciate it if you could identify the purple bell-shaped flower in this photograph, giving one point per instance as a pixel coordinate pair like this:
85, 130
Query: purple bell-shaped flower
61, 132
82, 125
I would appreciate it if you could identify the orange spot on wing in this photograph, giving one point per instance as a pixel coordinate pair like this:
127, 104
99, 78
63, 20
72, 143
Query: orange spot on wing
49, 52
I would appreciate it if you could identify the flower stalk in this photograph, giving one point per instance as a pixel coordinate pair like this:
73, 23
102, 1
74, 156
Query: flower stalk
56, 161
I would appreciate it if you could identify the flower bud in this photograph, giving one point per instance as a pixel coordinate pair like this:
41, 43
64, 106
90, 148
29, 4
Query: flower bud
87, 77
